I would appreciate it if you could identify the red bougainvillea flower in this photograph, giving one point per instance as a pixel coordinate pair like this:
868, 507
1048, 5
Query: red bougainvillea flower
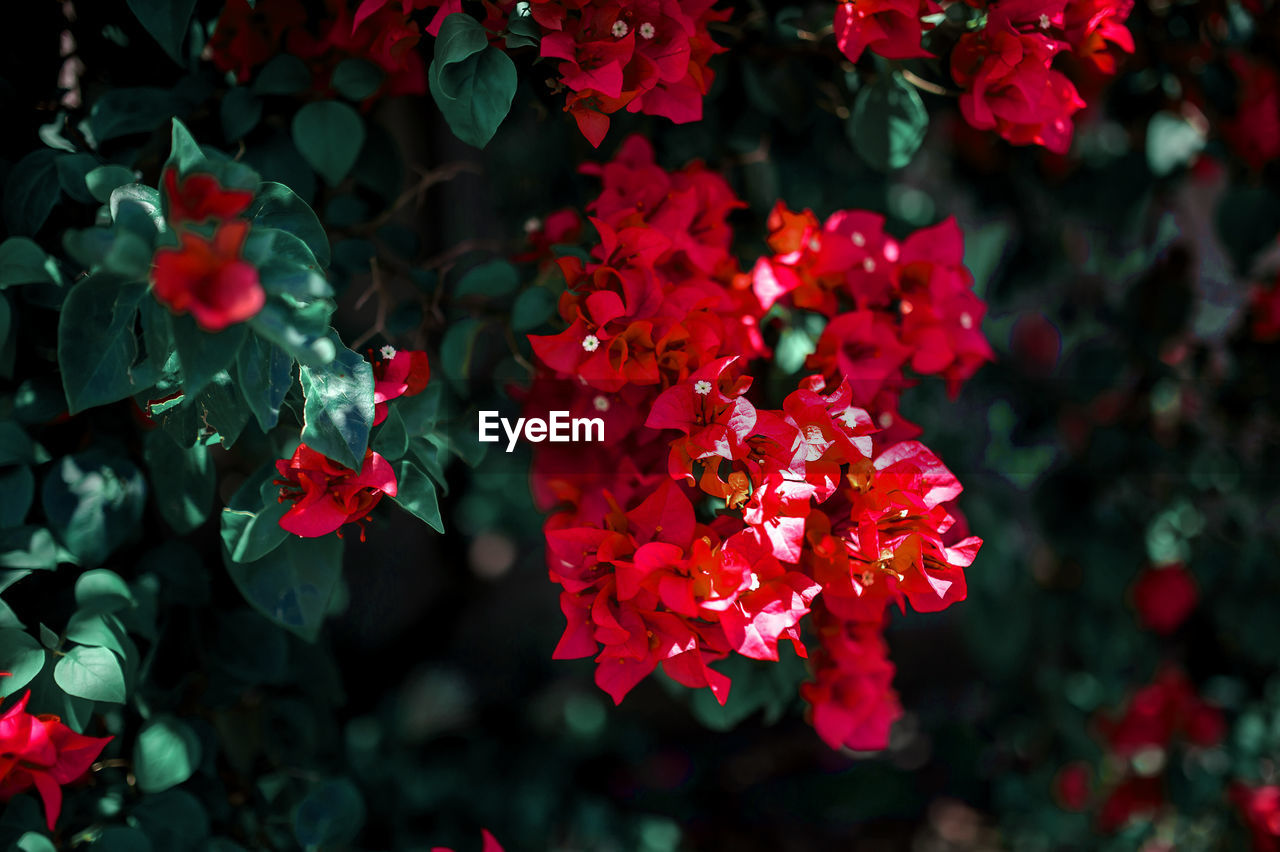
1165, 709
1253, 132
1096, 31
42, 752
326, 495
1264, 305
1260, 809
207, 278
1164, 596
1010, 88
851, 699
490, 844
889, 28
397, 373
1071, 786
198, 197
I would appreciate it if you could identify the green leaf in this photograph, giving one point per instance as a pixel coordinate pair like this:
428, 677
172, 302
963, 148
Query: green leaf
330, 816
97, 346
22, 262
184, 152
285, 74
391, 440
16, 446
301, 330
174, 821
31, 549
30, 192
329, 135
17, 490
103, 591
94, 503
166, 753
532, 308
21, 656
34, 841
286, 265
265, 373
277, 206
356, 79
523, 31
338, 412
48, 637
167, 22
416, 494
472, 82
72, 170
92, 673
456, 348
121, 838
888, 123
293, 584
140, 109
204, 354
215, 415
103, 180
183, 480
241, 111
1172, 142
251, 523
99, 630
494, 279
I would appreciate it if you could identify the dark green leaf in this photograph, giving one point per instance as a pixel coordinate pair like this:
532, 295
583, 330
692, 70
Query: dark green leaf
416, 494
184, 152
21, 656
167, 21
251, 523
472, 82
104, 179
121, 112
300, 330
34, 842
166, 753
532, 308
391, 440
293, 584
72, 170
22, 262
356, 79
204, 354
30, 549
329, 135
103, 591
494, 279
174, 820
120, 838
339, 407
93, 503
330, 816
523, 31
98, 629
91, 672
30, 192
285, 74
17, 490
183, 480
97, 346
265, 374
888, 123
241, 111
16, 446
277, 206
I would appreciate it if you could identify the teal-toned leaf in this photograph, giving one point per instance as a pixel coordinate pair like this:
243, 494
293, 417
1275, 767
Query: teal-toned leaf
301, 330
72, 170
121, 838
182, 478
93, 502
277, 206
98, 629
330, 816
494, 279
103, 180
532, 308
472, 82
33, 841
523, 31
167, 21
166, 753
30, 192
22, 262
391, 440
48, 636
888, 123
285, 74
30, 549
21, 656
1173, 142
329, 135
241, 110
174, 821
416, 494
92, 673
97, 345
251, 522
184, 152
265, 373
139, 109
294, 583
102, 590
17, 490
204, 354
338, 411
356, 79
456, 348
16, 446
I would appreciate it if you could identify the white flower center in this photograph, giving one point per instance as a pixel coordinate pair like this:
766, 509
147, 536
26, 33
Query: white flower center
702, 388
647, 31
1044, 22
601, 403
620, 29
966, 321
885, 420
591, 343
532, 224
850, 418
814, 244
869, 265
858, 239
388, 352
755, 582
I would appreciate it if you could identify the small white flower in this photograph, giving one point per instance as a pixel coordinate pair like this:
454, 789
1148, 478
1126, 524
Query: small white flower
966, 321
591, 343
858, 239
620, 29
1044, 22
885, 420
755, 582
869, 265
532, 224
647, 31
388, 352
702, 388
850, 417
601, 403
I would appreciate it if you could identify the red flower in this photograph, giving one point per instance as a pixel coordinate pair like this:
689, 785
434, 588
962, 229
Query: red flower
1260, 808
396, 374
1264, 305
852, 701
1165, 596
889, 28
199, 197
1010, 88
1071, 786
1254, 131
1096, 31
207, 278
326, 495
41, 751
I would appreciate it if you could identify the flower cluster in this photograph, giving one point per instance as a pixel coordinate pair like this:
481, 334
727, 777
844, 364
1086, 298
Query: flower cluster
248, 34
205, 275
704, 524
42, 752
1004, 68
890, 304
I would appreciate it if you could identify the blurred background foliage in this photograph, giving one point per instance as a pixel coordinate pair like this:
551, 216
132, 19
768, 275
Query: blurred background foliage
1130, 421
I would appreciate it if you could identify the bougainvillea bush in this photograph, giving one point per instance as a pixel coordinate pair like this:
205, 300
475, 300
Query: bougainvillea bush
640, 425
